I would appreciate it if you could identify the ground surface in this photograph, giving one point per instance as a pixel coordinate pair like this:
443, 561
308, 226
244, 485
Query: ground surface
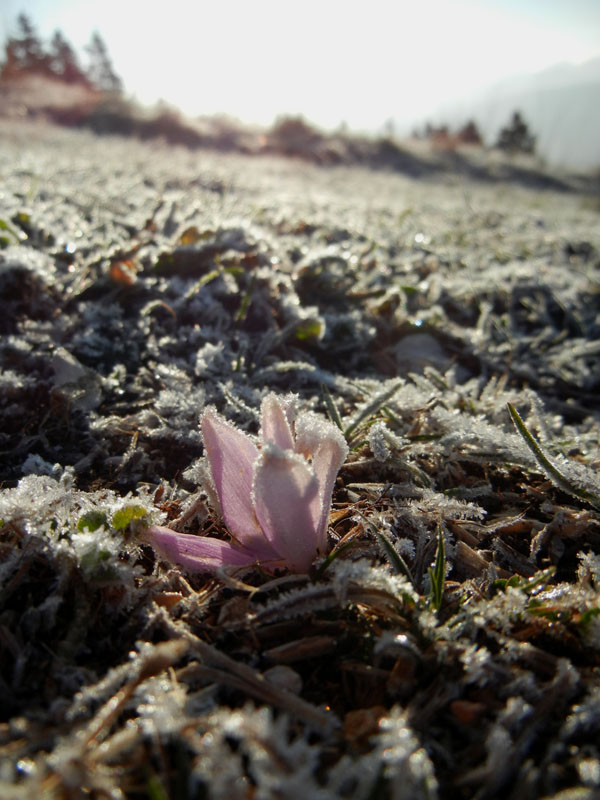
140, 283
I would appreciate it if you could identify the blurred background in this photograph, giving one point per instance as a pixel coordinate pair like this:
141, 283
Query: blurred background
434, 70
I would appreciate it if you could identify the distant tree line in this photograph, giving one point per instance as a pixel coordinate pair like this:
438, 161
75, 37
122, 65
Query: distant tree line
26, 54
515, 137
468, 134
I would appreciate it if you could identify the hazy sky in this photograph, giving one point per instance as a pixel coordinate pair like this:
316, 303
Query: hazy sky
332, 60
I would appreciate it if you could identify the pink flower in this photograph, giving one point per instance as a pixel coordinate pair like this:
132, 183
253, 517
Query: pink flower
274, 495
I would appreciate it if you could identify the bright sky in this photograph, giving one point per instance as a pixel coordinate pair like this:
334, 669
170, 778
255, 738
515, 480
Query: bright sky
358, 61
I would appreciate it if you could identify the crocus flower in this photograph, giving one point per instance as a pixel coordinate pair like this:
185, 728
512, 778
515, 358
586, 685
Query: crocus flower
275, 495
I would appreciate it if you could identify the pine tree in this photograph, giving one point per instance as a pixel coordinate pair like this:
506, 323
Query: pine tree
516, 137
64, 62
469, 134
24, 51
100, 71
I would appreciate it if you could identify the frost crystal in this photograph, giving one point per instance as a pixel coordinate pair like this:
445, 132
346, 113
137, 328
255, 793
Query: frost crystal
378, 441
406, 764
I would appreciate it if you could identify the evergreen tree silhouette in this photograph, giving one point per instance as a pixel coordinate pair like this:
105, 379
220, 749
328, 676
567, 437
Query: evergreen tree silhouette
469, 134
63, 61
516, 137
100, 71
24, 51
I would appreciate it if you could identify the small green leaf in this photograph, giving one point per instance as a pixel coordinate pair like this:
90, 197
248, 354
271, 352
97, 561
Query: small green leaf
13, 234
588, 616
309, 329
190, 236
97, 565
424, 437
537, 609
155, 789
93, 557
541, 578
124, 516
92, 520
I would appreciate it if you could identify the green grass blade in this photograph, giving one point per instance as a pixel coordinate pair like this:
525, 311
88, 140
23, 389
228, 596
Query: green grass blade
372, 408
437, 574
393, 556
330, 559
242, 311
547, 466
332, 409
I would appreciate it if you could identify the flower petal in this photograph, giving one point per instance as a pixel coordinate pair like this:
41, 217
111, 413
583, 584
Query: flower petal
231, 455
196, 553
324, 444
287, 503
275, 427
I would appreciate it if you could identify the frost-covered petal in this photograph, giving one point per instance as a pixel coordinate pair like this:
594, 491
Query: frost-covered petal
324, 443
197, 553
312, 430
326, 464
287, 504
231, 455
275, 427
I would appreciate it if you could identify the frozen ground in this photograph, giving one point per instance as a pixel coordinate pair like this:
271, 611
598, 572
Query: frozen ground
140, 283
